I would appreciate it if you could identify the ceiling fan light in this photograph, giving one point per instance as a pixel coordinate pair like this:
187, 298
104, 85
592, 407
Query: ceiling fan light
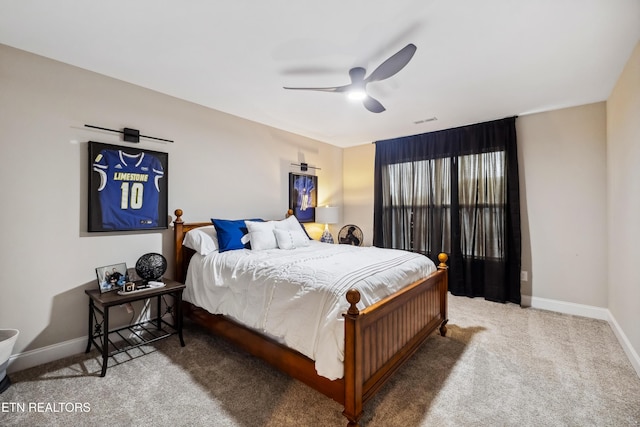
357, 95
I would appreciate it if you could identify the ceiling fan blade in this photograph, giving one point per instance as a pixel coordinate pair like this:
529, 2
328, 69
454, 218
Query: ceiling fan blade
393, 64
322, 89
373, 105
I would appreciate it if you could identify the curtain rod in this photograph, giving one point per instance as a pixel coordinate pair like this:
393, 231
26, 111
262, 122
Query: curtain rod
457, 127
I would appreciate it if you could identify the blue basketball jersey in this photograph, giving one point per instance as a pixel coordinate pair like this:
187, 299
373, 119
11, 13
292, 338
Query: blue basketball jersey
129, 190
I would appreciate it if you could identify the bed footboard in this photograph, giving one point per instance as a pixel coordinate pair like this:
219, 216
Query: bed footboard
380, 338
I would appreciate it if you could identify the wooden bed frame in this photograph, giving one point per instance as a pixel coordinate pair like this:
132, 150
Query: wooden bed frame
378, 339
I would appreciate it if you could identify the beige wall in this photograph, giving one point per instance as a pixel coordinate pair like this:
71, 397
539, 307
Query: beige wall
623, 185
358, 188
563, 198
219, 165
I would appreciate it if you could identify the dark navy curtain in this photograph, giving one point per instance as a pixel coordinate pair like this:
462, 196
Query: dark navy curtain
455, 191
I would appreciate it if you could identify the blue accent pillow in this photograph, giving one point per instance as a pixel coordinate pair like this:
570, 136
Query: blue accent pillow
230, 233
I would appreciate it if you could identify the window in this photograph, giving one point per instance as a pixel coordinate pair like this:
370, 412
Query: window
420, 202
482, 196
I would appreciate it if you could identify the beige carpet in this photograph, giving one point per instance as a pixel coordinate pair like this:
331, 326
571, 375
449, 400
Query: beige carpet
500, 365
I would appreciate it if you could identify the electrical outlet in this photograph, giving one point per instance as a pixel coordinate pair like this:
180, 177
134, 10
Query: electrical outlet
524, 276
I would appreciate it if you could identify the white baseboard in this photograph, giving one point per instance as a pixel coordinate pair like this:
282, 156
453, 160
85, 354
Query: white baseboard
624, 342
591, 312
568, 308
31, 358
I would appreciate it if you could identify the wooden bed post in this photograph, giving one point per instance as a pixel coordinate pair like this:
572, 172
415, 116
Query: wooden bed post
353, 374
178, 271
182, 253
444, 291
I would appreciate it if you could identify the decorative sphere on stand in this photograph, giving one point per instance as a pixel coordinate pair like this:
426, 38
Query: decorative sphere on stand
151, 266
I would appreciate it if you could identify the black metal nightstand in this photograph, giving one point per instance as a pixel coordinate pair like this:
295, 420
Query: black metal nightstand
111, 342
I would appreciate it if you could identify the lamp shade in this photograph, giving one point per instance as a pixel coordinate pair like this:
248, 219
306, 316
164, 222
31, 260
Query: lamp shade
327, 214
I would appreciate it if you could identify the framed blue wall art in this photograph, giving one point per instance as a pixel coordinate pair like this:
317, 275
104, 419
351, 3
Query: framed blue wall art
127, 188
303, 190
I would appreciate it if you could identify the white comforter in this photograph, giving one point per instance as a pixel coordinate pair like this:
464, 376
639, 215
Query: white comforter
298, 296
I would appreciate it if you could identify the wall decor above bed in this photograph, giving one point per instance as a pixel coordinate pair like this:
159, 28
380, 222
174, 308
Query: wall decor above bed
127, 188
303, 190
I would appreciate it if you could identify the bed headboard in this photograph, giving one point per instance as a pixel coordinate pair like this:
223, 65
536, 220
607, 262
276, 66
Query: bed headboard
182, 254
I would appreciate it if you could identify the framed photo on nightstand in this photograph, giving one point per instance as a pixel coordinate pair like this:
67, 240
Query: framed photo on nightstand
112, 277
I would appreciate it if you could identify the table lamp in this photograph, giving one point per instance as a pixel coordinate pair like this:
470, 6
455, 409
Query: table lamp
327, 215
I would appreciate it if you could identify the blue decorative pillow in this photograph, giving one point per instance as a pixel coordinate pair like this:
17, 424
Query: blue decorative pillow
231, 233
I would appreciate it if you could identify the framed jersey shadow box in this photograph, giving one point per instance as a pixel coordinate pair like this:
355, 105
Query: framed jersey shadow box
127, 188
303, 190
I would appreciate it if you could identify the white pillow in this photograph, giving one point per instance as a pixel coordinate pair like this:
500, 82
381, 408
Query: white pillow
291, 239
203, 240
290, 223
261, 235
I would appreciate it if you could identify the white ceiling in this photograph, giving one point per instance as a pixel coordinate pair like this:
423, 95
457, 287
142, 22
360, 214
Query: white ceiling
476, 60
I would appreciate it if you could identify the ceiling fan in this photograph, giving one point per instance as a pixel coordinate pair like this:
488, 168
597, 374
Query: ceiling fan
357, 89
